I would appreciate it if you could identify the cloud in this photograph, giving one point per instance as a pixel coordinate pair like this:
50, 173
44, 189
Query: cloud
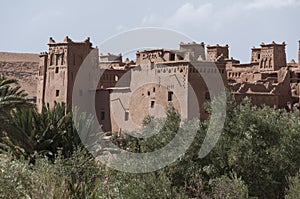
214, 14
265, 4
189, 13
239, 23
121, 28
150, 19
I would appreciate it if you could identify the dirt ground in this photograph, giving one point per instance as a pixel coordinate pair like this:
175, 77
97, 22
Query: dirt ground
23, 67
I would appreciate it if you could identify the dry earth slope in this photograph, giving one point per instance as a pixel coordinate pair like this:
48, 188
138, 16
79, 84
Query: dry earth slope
23, 67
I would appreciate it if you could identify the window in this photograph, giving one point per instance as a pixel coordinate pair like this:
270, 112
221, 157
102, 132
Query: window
56, 69
258, 56
51, 59
207, 96
153, 89
152, 104
148, 93
62, 59
126, 115
56, 60
172, 57
170, 96
102, 115
57, 93
152, 65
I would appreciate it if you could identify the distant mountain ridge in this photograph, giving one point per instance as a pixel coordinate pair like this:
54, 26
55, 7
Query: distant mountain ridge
18, 57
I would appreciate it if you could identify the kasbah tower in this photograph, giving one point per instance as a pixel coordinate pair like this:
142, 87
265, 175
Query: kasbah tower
58, 68
125, 95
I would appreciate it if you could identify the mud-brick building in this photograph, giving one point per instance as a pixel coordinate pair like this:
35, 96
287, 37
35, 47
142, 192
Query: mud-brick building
58, 68
186, 78
265, 80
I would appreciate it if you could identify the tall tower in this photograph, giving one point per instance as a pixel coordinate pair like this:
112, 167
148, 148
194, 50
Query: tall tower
58, 69
217, 53
272, 57
197, 50
255, 55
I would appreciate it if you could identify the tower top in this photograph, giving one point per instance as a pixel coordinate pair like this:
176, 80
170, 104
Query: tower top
67, 40
272, 44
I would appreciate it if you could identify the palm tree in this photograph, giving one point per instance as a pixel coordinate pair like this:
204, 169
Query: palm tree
27, 132
11, 97
32, 133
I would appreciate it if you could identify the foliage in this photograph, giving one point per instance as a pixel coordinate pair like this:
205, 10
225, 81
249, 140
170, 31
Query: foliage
77, 177
11, 97
293, 190
261, 144
167, 129
33, 133
258, 150
264, 143
229, 187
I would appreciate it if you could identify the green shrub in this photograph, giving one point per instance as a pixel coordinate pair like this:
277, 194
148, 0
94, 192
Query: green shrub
293, 191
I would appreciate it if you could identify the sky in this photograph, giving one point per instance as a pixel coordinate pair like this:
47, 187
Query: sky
25, 26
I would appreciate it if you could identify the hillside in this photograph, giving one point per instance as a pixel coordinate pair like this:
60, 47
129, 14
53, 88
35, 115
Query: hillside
23, 67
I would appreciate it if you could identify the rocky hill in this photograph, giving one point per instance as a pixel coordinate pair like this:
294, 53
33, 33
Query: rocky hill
23, 67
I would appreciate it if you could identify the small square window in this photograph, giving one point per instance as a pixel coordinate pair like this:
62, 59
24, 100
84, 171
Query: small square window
152, 104
57, 93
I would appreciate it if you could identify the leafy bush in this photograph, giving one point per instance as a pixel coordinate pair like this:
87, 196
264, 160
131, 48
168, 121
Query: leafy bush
229, 187
293, 190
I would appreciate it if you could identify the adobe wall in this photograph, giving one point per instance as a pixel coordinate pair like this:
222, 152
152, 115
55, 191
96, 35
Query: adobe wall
102, 100
129, 91
152, 83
